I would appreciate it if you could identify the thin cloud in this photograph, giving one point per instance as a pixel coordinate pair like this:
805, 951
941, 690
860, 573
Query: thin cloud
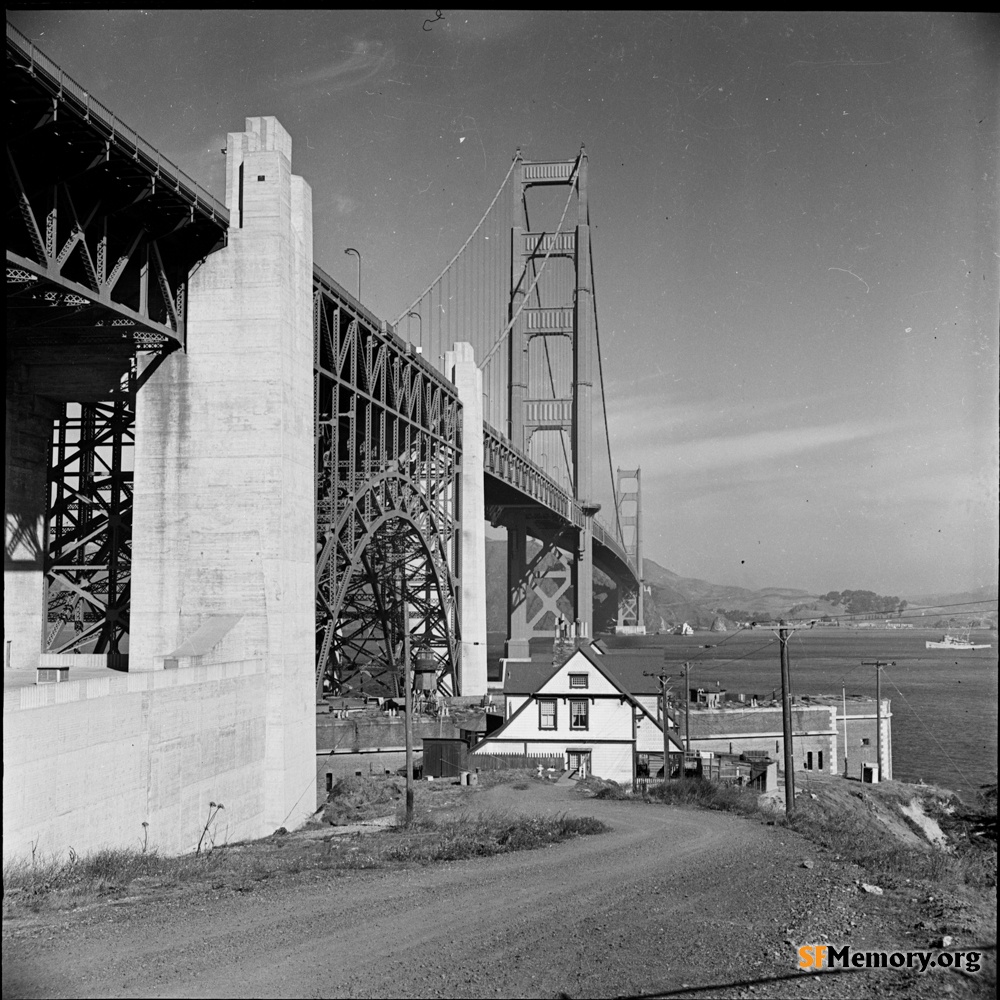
733, 450
630, 413
365, 60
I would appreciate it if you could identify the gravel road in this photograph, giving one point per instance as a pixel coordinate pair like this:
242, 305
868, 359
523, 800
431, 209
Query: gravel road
669, 899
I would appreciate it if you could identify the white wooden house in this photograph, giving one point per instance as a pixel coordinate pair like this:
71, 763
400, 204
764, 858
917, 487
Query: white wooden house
581, 711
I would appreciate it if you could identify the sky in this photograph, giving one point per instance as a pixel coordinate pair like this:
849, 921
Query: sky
795, 237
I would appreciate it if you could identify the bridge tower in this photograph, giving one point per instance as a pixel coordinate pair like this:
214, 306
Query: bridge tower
551, 363
628, 493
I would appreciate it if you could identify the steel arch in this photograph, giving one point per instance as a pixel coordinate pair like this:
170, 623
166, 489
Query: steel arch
361, 566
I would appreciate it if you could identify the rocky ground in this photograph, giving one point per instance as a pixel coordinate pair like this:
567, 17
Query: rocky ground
670, 903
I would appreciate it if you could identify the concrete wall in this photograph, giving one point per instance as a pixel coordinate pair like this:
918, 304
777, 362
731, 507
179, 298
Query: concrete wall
88, 761
331, 766
861, 746
735, 730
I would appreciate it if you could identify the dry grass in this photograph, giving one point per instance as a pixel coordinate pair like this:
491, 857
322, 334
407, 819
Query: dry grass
688, 792
438, 834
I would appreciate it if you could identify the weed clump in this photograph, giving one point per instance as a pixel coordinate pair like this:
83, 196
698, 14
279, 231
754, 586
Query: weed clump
354, 800
482, 836
695, 792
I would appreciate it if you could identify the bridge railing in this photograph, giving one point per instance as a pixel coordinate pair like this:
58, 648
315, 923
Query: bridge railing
506, 463
65, 86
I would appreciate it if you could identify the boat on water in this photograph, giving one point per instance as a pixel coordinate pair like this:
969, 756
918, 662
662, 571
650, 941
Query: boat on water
961, 641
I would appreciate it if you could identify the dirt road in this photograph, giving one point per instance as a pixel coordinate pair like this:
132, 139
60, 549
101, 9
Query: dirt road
669, 899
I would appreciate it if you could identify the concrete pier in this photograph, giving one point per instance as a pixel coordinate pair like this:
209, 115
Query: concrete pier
460, 364
224, 493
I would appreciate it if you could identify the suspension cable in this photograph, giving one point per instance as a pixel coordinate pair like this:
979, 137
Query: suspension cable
513, 164
604, 403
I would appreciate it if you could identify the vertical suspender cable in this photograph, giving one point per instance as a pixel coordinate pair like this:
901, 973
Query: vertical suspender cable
604, 402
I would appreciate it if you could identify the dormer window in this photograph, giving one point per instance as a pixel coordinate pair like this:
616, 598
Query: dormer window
578, 681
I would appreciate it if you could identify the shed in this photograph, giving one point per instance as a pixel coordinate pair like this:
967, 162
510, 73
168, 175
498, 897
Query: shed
445, 758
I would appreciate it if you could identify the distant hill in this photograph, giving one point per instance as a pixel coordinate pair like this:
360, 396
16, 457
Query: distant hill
982, 594
671, 598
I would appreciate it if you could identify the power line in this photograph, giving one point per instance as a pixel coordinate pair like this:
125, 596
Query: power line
944, 753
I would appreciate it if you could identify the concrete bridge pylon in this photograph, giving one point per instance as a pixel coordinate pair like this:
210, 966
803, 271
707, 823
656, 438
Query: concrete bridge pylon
461, 368
224, 503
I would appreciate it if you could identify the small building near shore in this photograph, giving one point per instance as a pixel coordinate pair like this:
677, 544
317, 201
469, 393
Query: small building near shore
826, 736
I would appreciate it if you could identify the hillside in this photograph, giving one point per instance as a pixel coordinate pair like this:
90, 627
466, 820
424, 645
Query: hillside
671, 598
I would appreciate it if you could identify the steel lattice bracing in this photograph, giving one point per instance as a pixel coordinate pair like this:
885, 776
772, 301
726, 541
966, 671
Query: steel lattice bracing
387, 454
629, 500
88, 561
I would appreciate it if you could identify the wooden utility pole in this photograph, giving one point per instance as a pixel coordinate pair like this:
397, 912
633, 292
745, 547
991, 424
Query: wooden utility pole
878, 665
843, 693
786, 720
662, 679
687, 716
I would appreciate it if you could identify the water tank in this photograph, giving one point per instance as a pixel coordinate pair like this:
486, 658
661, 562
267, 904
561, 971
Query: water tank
425, 664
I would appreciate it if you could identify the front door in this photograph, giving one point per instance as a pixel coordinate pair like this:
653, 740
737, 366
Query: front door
579, 761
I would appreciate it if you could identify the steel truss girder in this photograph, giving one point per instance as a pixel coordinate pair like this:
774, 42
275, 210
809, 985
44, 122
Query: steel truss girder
94, 257
628, 604
546, 586
387, 462
106, 227
89, 554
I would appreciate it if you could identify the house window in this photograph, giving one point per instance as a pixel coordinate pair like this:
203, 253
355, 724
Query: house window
809, 760
865, 742
547, 713
819, 756
578, 714
578, 680
329, 781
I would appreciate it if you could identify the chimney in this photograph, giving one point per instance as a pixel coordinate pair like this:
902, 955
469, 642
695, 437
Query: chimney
567, 641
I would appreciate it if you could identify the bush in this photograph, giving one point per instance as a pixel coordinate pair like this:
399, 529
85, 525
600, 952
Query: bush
482, 835
706, 795
354, 799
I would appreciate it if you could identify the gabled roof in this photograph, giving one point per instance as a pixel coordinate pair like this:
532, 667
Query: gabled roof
630, 670
527, 676
538, 675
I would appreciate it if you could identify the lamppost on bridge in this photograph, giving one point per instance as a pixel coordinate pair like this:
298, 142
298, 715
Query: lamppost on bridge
420, 329
357, 253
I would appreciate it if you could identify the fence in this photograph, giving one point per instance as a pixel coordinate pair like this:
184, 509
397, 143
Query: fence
510, 761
